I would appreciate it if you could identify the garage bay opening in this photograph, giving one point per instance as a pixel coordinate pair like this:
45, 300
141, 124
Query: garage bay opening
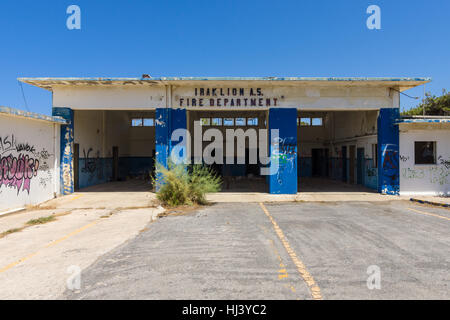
238, 167
337, 151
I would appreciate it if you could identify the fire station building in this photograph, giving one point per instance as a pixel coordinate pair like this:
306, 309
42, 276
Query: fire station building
330, 130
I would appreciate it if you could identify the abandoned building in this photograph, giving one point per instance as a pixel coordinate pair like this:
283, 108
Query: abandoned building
330, 130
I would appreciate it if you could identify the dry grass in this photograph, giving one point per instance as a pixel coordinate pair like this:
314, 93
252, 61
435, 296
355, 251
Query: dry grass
33, 222
8, 232
41, 220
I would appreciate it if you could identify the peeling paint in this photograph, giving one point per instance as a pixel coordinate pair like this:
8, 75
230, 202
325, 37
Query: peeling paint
388, 141
66, 147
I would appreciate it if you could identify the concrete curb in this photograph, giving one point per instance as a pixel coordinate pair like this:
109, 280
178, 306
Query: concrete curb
157, 212
9, 212
302, 197
438, 204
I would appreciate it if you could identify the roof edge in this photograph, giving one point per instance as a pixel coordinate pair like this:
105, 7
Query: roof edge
414, 79
31, 115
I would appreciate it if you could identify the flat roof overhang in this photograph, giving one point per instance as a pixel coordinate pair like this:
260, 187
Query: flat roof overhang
400, 83
12, 112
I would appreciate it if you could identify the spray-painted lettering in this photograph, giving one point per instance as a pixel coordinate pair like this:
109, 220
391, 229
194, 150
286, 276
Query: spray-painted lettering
17, 172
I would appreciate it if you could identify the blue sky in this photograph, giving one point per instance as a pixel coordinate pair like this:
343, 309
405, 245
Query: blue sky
220, 38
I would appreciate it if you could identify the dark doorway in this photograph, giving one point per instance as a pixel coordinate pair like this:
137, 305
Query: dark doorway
352, 157
76, 161
318, 162
360, 166
326, 163
344, 163
115, 168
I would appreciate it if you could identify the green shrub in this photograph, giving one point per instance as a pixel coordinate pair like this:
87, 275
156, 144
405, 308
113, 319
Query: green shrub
202, 180
181, 184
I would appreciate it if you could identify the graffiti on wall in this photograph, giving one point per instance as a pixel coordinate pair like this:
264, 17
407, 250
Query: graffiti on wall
285, 154
371, 172
404, 158
435, 174
390, 161
20, 163
439, 175
17, 172
92, 165
390, 167
444, 162
411, 173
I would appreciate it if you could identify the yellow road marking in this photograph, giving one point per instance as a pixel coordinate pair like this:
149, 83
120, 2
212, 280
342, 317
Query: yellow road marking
283, 274
429, 214
72, 234
75, 198
307, 277
12, 265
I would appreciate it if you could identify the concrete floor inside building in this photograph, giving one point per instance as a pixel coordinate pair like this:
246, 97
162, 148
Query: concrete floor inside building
239, 184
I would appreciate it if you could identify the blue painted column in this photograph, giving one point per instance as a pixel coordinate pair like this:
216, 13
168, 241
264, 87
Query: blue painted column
167, 121
66, 150
283, 151
388, 151
178, 145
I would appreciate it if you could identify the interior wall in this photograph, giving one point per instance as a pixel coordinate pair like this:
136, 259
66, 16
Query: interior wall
349, 129
97, 132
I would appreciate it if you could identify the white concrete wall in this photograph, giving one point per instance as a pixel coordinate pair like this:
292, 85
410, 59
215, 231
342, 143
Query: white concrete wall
110, 97
101, 130
424, 179
36, 143
305, 97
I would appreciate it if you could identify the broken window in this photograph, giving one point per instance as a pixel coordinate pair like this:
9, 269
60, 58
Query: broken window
136, 122
305, 122
425, 152
252, 121
216, 121
240, 121
142, 122
228, 122
205, 121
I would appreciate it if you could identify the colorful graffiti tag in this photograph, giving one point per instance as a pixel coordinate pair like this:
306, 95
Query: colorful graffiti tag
284, 153
17, 172
21, 162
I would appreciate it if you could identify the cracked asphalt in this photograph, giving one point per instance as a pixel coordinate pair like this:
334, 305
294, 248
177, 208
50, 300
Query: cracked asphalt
233, 251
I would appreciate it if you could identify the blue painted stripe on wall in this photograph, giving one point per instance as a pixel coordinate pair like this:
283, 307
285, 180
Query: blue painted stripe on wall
284, 181
388, 151
66, 149
167, 121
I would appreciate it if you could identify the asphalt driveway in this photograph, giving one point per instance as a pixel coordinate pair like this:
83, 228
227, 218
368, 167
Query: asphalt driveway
281, 251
